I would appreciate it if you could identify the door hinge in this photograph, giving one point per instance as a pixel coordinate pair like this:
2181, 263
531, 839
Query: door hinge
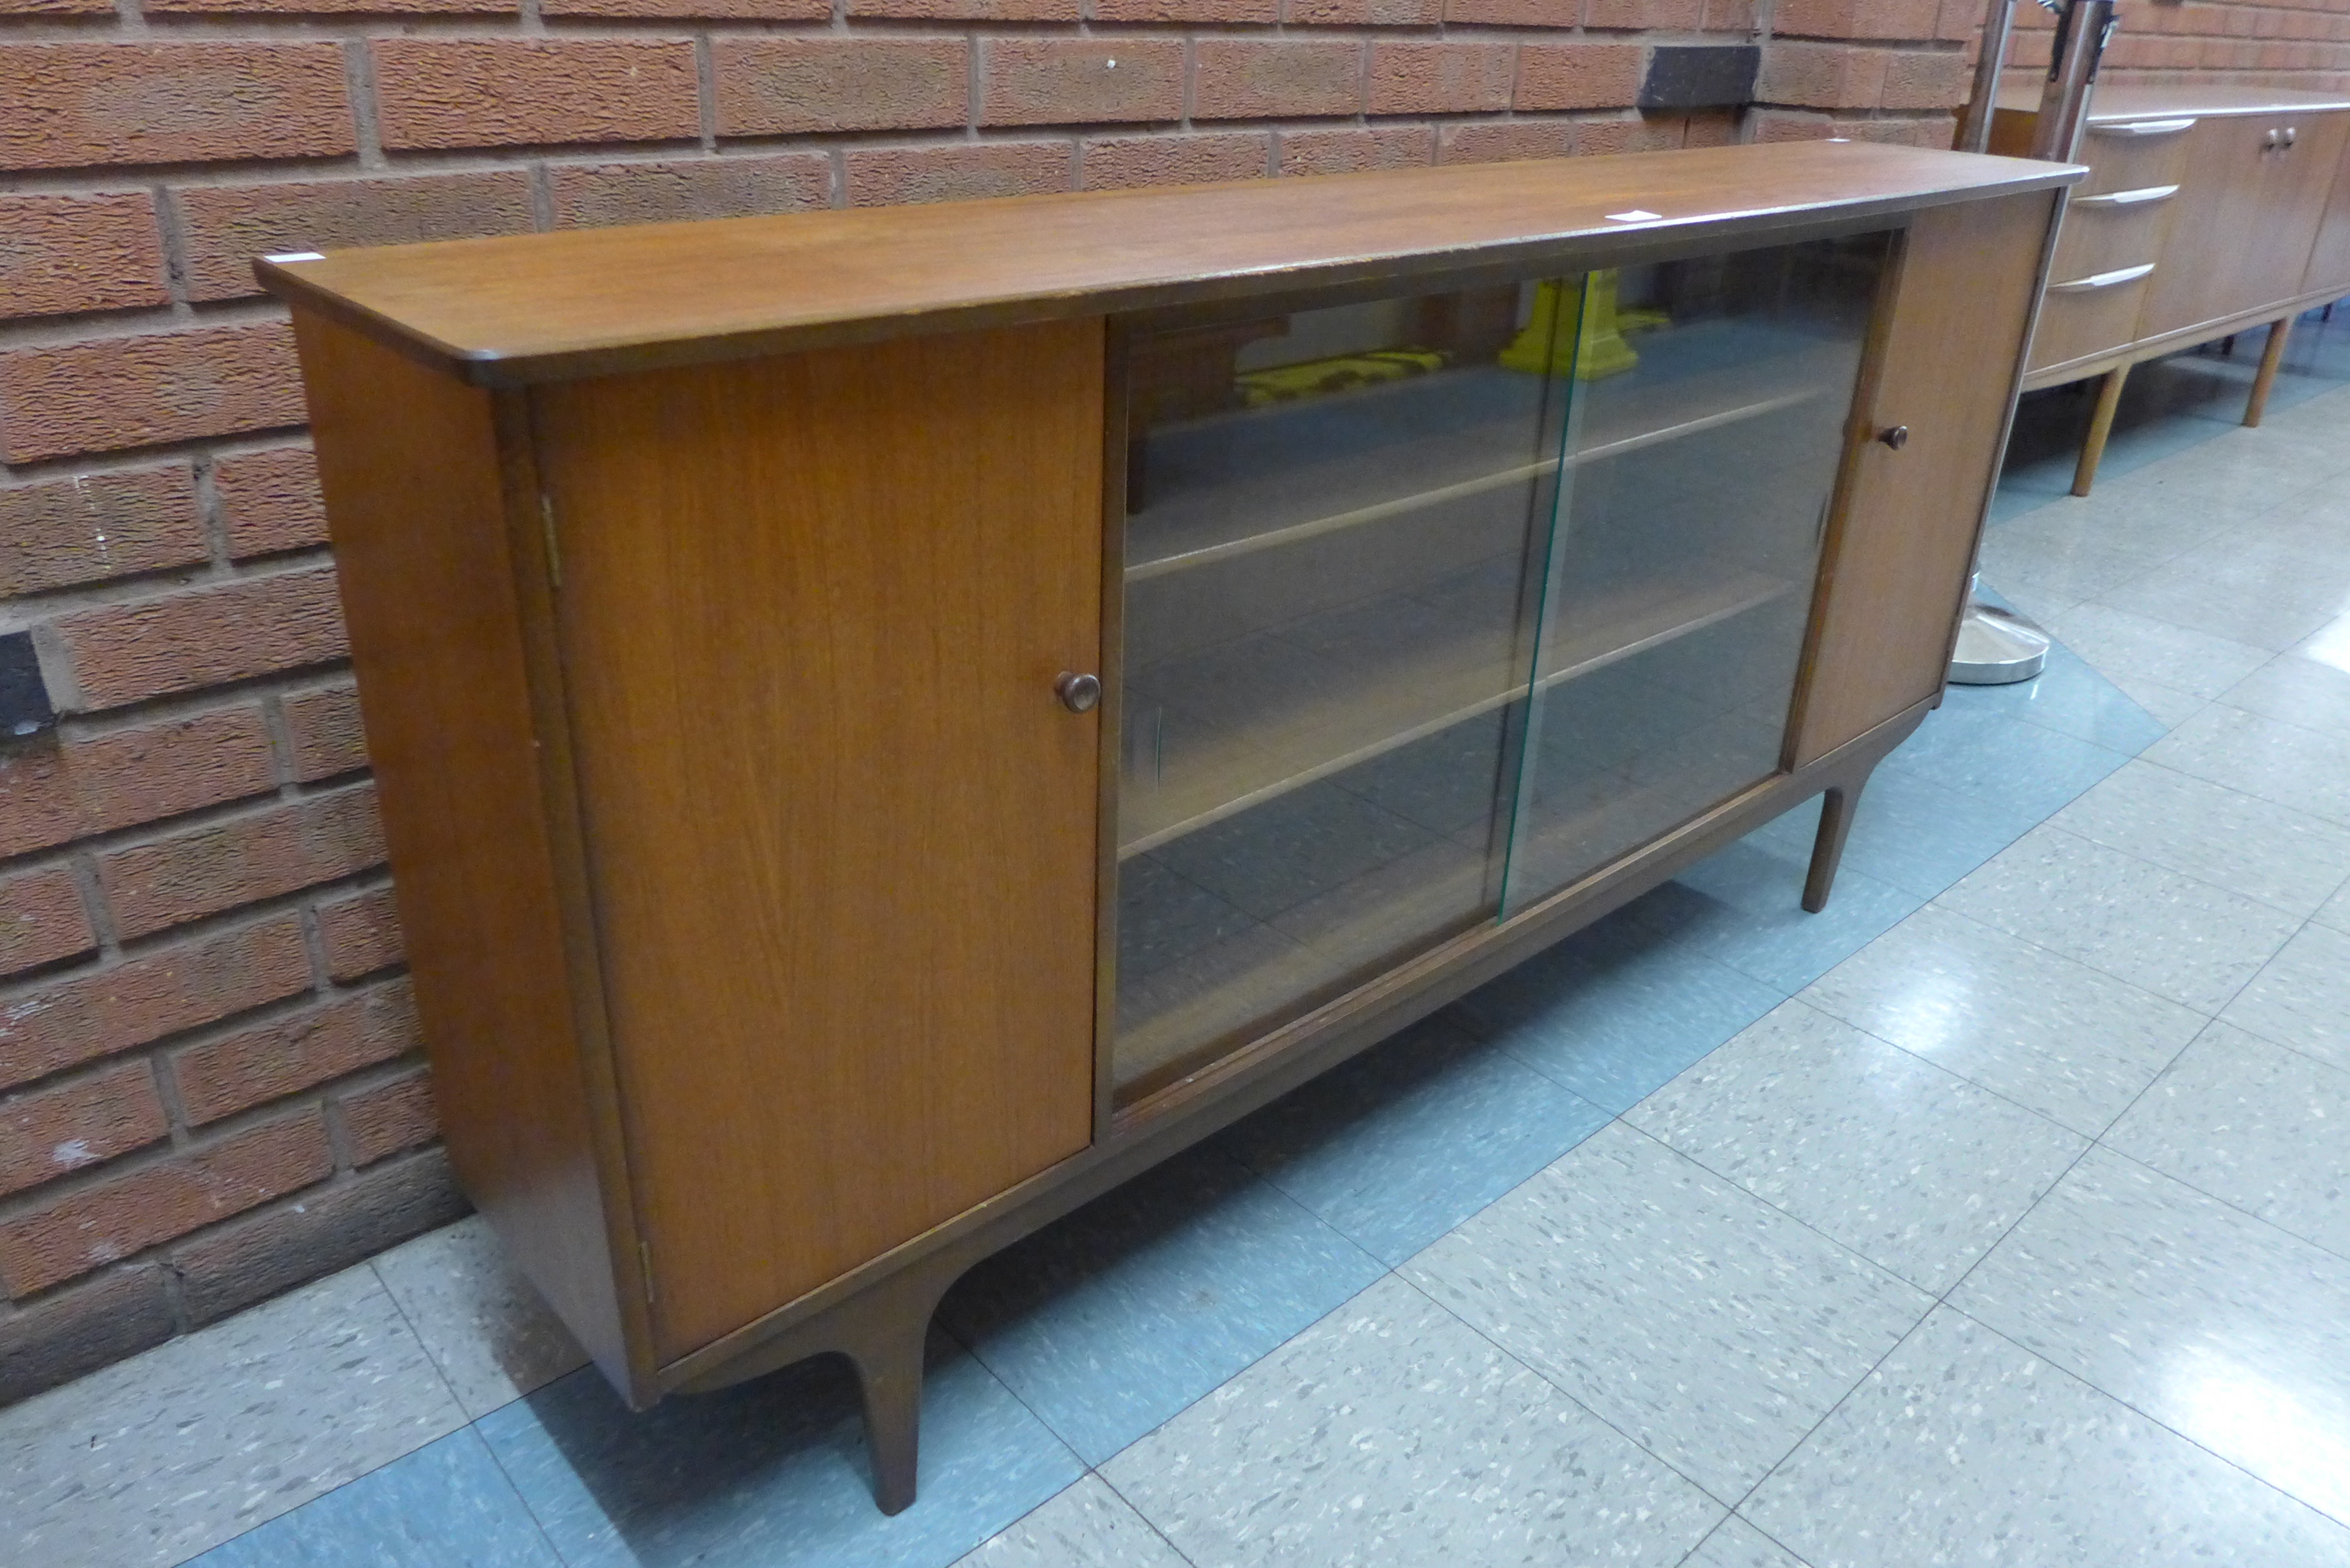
645, 1268
554, 550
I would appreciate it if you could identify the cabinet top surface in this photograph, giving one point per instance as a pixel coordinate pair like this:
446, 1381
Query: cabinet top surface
2124, 101
536, 308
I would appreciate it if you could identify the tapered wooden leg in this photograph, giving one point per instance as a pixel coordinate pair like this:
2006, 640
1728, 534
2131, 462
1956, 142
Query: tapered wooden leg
1836, 808
2101, 426
892, 1385
2270, 357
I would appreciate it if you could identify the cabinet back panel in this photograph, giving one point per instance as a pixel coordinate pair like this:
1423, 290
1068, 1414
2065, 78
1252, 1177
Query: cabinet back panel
842, 834
1900, 548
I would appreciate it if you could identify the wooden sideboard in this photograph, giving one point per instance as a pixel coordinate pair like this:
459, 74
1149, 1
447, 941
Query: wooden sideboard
2208, 210
892, 722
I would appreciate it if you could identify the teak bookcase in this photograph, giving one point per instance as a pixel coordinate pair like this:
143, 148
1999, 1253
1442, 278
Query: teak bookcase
892, 722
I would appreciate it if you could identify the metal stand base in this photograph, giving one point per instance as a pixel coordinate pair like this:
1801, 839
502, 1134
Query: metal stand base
1997, 648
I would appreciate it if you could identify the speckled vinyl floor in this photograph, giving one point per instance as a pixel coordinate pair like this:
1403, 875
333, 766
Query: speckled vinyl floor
1999, 1215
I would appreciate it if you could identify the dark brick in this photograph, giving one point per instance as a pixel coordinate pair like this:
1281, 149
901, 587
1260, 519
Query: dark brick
286, 1055
329, 738
200, 871
129, 1211
227, 225
385, 1118
49, 1132
92, 1325
71, 252
270, 499
57, 1022
93, 526
361, 931
55, 793
201, 636
41, 920
338, 1225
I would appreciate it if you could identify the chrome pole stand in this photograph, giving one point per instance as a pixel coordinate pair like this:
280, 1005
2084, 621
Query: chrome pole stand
1997, 647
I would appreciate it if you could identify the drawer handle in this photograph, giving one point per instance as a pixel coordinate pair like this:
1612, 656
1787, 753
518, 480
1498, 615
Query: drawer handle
2129, 198
2102, 280
1896, 438
2144, 128
1078, 693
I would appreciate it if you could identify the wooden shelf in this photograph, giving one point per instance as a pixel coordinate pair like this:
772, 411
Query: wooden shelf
1421, 691
1196, 529
1192, 1012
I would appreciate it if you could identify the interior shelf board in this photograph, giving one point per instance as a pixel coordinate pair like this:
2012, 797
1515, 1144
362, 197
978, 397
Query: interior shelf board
1409, 705
1617, 428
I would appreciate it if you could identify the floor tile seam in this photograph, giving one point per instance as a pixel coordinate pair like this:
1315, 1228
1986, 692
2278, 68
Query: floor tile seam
1496, 1041
1943, 1298
2193, 877
2342, 823
1134, 1508
2180, 626
1016, 1396
2090, 1383
1951, 1072
1536, 1373
538, 1520
2287, 1046
1941, 908
1739, 1508
2054, 728
464, 1423
1239, 1372
2260, 1220
2086, 963
431, 1357
1736, 1186
2221, 701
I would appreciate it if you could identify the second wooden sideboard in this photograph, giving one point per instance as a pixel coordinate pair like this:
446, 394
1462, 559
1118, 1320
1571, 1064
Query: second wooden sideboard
2208, 210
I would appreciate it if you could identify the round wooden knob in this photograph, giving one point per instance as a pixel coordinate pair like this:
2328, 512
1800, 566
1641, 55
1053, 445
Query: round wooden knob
1078, 693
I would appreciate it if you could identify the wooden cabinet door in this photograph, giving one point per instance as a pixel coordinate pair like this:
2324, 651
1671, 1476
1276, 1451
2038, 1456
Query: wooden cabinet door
840, 830
1901, 544
2246, 218
2329, 263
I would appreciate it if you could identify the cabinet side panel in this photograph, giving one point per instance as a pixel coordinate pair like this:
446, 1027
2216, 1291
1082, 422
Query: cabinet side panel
842, 831
410, 465
1904, 539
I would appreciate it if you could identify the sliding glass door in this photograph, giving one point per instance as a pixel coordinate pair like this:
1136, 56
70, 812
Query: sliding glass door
1433, 604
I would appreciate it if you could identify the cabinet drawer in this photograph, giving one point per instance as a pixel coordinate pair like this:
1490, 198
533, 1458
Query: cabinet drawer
2120, 229
2134, 154
2087, 316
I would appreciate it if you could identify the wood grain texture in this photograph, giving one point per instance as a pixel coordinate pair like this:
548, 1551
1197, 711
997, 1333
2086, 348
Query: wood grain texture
411, 468
843, 834
526, 308
1904, 539
2081, 326
2247, 219
2329, 260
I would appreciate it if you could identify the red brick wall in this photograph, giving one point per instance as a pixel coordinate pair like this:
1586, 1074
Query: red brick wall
210, 1087
2268, 43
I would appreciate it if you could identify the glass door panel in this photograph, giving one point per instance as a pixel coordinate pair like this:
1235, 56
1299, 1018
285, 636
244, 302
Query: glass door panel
1701, 454
1335, 528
